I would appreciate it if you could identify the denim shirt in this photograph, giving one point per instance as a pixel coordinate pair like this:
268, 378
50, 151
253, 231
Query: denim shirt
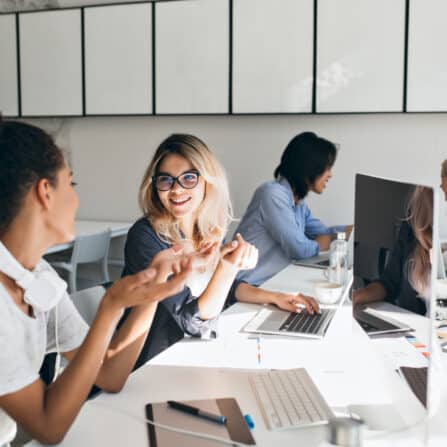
280, 229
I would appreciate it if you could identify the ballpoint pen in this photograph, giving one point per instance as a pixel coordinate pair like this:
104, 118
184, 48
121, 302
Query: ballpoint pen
197, 412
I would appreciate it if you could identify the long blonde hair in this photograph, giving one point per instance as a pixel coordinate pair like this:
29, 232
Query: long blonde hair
444, 168
420, 217
215, 212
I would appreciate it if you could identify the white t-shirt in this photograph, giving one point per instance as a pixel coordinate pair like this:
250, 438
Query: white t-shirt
25, 340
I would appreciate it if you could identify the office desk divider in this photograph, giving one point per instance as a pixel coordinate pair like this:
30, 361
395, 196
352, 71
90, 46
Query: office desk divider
235, 429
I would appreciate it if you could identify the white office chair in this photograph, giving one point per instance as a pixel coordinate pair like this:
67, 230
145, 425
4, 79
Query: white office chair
86, 250
116, 256
8, 429
87, 302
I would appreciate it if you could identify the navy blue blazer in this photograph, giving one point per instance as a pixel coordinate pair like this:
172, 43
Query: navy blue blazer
176, 315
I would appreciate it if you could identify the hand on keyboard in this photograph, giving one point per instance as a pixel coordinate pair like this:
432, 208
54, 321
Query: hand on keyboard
296, 302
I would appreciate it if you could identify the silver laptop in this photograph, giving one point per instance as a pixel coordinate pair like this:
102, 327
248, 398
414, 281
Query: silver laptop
375, 324
321, 261
273, 321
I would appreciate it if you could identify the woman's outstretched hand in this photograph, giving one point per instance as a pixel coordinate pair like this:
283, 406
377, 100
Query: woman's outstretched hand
240, 254
152, 284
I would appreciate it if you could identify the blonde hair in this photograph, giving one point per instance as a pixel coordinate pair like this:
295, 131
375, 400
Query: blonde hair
420, 217
215, 212
444, 168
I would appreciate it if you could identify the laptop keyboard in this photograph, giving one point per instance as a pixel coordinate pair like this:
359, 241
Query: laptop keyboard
306, 323
417, 380
289, 399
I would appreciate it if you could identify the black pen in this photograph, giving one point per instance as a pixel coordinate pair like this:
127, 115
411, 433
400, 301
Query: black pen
197, 412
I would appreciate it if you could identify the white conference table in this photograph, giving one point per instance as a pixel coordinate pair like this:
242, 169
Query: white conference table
88, 227
349, 369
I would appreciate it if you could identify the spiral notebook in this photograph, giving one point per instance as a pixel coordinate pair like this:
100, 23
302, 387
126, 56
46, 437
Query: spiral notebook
235, 429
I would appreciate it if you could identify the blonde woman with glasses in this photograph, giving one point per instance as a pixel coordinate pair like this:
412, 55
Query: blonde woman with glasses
185, 202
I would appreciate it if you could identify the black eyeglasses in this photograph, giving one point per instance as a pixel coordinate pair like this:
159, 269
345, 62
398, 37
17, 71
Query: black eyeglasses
164, 182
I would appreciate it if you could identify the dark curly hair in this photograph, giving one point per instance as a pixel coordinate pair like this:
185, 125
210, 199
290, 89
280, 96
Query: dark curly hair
304, 159
27, 155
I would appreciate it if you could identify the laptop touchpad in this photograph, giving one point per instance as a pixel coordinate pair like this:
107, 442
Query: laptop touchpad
273, 321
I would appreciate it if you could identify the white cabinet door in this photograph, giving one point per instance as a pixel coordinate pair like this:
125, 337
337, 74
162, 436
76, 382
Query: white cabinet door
192, 57
272, 56
427, 56
8, 66
360, 64
118, 59
51, 63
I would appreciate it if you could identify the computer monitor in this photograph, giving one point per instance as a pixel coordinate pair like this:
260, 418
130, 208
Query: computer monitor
395, 227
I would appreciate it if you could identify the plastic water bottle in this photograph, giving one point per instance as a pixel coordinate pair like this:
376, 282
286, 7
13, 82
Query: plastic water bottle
338, 259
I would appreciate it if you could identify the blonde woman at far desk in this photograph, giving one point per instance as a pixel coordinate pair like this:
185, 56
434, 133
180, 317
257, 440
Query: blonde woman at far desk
185, 200
444, 178
405, 281
37, 210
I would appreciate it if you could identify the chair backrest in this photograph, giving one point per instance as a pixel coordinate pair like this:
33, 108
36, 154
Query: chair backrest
8, 429
87, 301
91, 248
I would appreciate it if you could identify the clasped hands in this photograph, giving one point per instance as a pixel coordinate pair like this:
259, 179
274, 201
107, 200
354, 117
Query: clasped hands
237, 253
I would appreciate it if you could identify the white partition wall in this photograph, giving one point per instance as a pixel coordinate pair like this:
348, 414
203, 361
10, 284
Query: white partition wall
51, 63
8, 66
118, 59
272, 56
360, 64
191, 59
427, 56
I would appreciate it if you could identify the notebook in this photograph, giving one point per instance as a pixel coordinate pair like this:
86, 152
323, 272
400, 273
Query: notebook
235, 429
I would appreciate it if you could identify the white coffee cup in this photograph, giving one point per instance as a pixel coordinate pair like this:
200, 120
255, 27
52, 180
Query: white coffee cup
327, 292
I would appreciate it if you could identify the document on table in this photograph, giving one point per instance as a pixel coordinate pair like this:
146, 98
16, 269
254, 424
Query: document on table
399, 352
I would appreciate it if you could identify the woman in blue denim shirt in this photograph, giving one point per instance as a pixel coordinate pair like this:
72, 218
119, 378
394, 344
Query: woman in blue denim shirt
278, 221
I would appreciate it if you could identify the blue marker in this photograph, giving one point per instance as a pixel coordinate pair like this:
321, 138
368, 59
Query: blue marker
198, 412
